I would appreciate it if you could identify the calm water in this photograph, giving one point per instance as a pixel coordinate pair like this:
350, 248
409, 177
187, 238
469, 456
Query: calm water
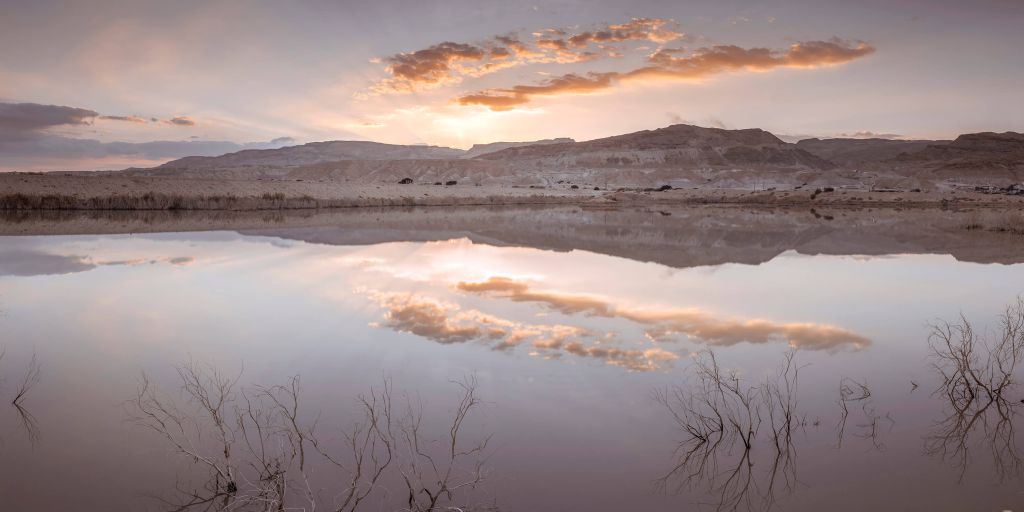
569, 351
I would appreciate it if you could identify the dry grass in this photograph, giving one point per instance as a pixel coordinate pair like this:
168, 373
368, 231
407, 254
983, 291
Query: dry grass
155, 201
266, 201
1005, 221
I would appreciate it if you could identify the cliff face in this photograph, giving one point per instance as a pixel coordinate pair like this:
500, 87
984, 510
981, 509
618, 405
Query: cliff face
986, 148
855, 153
482, 149
679, 146
974, 158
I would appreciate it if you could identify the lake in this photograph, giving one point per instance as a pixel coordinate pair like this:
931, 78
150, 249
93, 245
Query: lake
641, 359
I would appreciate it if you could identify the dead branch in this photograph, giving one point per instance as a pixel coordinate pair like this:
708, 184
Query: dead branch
29, 381
721, 418
255, 441
977, 374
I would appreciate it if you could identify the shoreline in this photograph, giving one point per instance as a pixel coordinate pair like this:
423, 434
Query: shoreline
20, 192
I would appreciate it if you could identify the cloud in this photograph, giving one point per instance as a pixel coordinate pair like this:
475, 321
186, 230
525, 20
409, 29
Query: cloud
449, 62
23, 118
518, 48
665, 324
506, 99
870, 135
26, 118
127, 119
27, 142
438, 64
639, 29
181, 121
679, 64
40, 147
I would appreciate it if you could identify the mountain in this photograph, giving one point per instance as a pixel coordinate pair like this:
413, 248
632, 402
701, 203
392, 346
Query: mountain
481, 149
678, 146
337, 151
986, 150
860, 152
314, 153
677, 156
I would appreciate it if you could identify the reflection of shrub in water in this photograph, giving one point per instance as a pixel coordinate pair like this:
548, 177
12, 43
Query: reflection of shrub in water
260, 452
977, 376
857, 393
722, 418
28, 381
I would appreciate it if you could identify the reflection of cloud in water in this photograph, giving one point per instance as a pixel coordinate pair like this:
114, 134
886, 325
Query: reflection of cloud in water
446, 322
649, 359
663, 324
27, 262
438, 321
181, 261
178, 261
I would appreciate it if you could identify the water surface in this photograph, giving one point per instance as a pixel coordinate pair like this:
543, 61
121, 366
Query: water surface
569, 350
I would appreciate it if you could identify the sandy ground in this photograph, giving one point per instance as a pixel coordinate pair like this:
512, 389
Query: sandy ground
79, 191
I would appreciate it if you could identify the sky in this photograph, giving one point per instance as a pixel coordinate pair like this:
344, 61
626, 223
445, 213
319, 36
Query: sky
111, 84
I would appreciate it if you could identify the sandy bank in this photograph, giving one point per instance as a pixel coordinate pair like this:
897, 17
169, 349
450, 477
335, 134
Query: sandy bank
111, 192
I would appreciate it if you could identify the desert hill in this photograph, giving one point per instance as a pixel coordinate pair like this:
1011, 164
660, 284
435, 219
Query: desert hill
986, 150
680, 155
677, 146
481, 149
313, 153
855, 153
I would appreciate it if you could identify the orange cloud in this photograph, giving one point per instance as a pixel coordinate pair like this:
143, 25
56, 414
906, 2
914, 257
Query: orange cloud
723, 58
449, 62
519, 48
638, 29
430, 66
127, 119
506, 99
677, 64
663, 324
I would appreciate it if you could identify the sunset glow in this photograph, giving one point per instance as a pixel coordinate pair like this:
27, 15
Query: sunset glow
157, 82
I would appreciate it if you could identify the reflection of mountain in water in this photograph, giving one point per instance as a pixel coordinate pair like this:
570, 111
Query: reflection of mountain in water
674, 236
679, 237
